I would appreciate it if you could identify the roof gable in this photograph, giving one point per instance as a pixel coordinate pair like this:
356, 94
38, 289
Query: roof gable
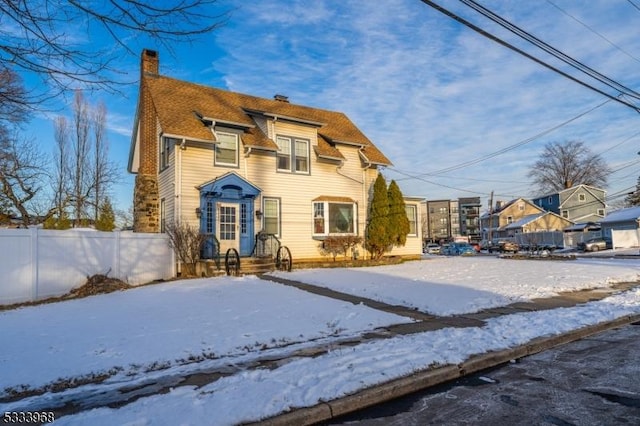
230, 181
569, 194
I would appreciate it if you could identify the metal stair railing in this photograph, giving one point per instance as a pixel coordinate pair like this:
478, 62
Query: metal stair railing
210, 249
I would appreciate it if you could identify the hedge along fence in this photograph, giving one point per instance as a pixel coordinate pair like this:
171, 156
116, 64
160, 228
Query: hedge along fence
36, 264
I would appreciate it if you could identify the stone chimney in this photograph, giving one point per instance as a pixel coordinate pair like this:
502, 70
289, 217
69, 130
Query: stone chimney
146, 210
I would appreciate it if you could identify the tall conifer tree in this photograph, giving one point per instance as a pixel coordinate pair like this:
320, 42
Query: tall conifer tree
399, 225
378, 240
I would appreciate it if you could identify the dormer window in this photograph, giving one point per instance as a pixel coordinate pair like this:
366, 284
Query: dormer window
226, 149
293, 155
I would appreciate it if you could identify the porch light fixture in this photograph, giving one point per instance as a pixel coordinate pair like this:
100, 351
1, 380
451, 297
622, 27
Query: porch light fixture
198, 212
258, 214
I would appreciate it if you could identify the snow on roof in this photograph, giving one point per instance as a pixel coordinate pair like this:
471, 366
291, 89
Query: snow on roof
590, 226
526, 219
622, 215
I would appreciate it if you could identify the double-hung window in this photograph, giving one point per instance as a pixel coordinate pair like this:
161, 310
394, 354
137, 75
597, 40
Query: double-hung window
334, 218
271, 216
293, 154
226, 149
413, 220
166, 146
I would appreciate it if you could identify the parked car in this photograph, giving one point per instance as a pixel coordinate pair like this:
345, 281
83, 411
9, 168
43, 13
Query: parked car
596, 244
432, 248
503, 246
458, 249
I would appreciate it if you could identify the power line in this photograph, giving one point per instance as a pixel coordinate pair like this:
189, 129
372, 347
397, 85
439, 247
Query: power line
593, 31
515, 145
633, 4
620, 143
525, 54
550, 49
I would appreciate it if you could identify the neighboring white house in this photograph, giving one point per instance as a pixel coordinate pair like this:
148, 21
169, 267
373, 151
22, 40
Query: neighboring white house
622, 226
235, 165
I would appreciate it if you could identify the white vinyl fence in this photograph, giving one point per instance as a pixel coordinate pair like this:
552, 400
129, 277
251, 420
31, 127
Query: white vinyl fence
37, 264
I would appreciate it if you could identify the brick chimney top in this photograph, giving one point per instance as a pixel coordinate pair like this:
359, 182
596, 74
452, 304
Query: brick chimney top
149, 62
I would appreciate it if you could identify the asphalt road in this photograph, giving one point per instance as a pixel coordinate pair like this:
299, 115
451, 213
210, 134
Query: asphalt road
594, 381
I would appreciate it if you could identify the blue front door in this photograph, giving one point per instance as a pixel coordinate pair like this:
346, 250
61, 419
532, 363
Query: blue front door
227, 212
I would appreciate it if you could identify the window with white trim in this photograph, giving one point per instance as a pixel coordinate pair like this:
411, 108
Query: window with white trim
600, 212
582, 197
334, 218
565, 214
271, 216
413, 220
226, 149
166, 146
292, 155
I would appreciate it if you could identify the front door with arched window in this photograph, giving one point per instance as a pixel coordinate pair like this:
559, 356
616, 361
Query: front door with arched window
227, 206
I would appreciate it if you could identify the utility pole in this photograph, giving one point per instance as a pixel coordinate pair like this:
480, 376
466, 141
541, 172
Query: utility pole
490, 217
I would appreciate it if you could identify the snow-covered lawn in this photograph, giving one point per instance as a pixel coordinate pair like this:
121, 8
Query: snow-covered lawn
457, 285
155, 327
184, 327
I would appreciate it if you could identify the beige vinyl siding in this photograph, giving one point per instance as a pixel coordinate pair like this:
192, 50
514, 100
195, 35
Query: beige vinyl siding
549, 222
197, 168
166, 189
517, 214
295, 191
413, 245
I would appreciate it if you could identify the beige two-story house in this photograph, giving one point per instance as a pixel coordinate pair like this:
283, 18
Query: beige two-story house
495, 223
235, 165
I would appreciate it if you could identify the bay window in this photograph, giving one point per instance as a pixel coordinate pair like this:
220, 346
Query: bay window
334, 218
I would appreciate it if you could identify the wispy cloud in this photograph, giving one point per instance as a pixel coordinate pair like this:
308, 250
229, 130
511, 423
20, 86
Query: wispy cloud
431, 93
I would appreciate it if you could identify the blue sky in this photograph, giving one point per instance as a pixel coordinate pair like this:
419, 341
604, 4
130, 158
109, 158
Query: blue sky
429, 92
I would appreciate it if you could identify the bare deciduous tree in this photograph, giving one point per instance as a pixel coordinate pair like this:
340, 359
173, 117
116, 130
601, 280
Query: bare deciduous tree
187, 242
22, 173
80, 147
43, 38
105, 173
13, 97
564, 165
633, 198
61, 173
84, 175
